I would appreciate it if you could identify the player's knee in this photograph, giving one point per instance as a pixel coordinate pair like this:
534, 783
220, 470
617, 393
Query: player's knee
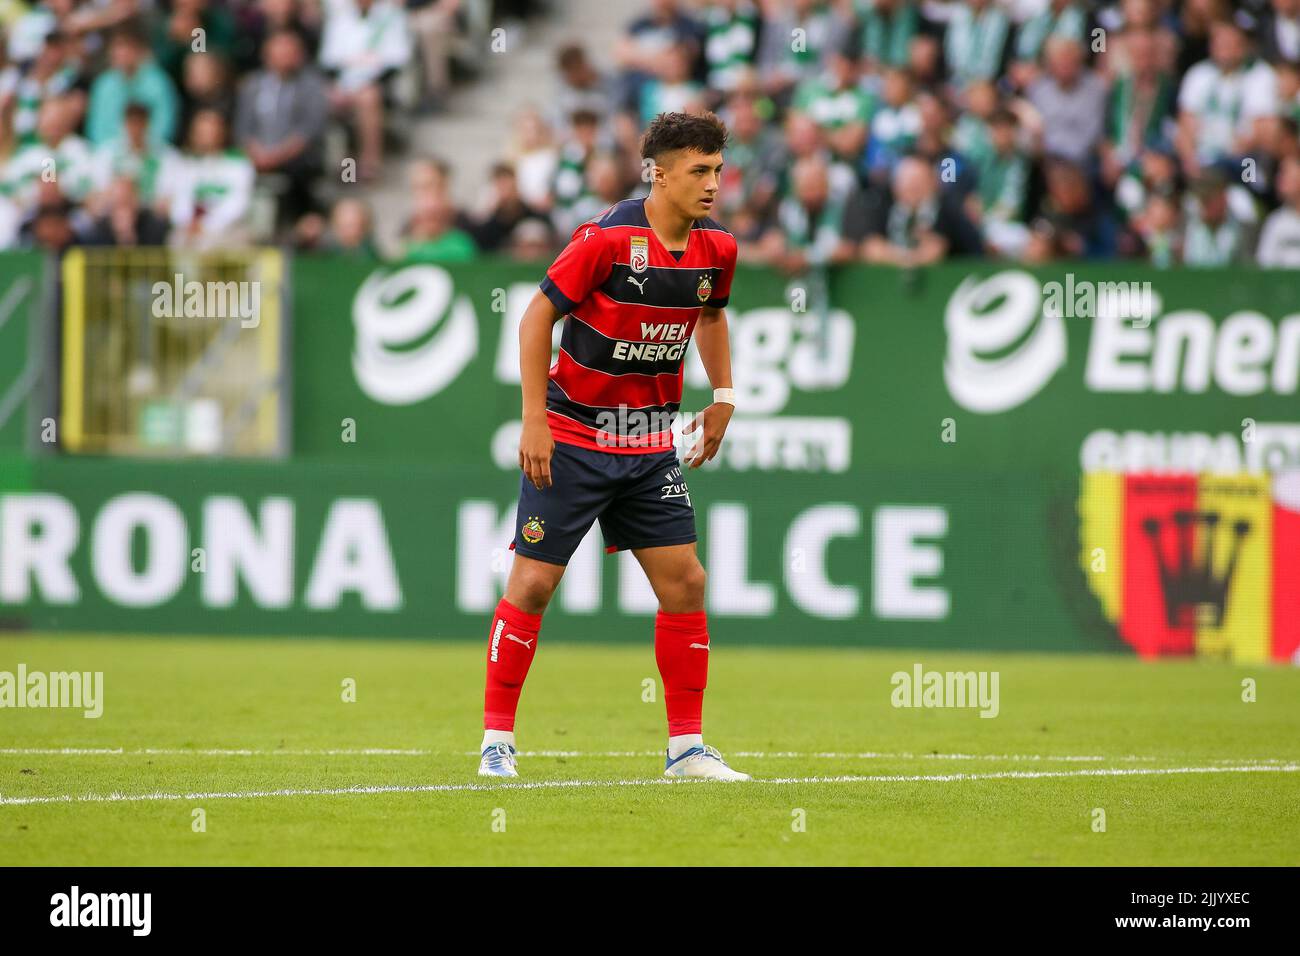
692, 587
531, 590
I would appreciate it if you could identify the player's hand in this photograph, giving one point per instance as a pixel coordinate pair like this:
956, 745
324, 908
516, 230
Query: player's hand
536, 446
714, 421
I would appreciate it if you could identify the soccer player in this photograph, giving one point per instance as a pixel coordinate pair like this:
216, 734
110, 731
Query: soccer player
632, 286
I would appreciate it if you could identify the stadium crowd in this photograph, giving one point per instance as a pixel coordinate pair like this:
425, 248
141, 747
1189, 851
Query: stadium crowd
204, 123
892, 131
886, 131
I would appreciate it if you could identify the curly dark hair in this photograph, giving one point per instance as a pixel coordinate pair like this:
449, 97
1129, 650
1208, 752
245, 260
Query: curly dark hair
702, 132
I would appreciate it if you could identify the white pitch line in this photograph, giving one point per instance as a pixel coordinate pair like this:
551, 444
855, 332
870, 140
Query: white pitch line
415, 752
563, 784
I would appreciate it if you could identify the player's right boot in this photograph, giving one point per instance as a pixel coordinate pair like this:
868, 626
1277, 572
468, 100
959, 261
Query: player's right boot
498, 760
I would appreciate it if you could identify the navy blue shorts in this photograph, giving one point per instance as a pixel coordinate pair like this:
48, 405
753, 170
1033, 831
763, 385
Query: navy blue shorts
641, 501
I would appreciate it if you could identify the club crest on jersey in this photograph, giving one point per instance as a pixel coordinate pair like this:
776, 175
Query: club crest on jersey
640, 258
533, 530
704, 289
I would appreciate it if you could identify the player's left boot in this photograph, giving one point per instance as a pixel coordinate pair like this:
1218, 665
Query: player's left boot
704, 762
498, 761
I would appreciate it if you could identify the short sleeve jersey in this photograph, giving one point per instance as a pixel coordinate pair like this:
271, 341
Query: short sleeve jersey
630, 309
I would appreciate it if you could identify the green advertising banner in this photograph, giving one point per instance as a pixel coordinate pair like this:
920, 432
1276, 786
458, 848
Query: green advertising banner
917, 559
976, 456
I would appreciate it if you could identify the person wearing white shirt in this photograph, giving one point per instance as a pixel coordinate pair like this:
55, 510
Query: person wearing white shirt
1221, 99
363, 43
1279, 240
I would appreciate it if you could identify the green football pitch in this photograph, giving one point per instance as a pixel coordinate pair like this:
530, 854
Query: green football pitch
245, 751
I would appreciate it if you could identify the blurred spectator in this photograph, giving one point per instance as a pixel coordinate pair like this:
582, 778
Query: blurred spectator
531, 241
1071, 101
1159, 227
132, 76
280, 121
433, 236
813, 226
1279, 32
1002, 172
57, 157
731, 41
582, 88
303, 17
214, 188
895, 125
1279, 240
205, 85
838, 105
503, 210
1217, 231
1141, 105
535, 158
1221, 99
646, 40
52, 73
671, 90
1070, 223
1063, 18
752, 171
433, 23
363, 45
888, 30
150, 167
975, 41
191, 26
126, 220
605, 186
570, 183
915, 224
783, 63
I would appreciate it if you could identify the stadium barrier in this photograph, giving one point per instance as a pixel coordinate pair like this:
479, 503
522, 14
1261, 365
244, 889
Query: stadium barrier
969, 456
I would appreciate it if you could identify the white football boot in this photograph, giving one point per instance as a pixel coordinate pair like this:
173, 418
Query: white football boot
498, 761
704, 762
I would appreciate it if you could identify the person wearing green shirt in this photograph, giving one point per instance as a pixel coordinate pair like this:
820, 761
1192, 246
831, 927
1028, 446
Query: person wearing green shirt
132, 76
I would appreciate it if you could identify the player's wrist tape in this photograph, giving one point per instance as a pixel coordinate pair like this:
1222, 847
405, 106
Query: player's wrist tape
727, 396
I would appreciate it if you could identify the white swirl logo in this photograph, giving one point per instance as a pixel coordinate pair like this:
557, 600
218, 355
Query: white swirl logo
984, 318
392, 313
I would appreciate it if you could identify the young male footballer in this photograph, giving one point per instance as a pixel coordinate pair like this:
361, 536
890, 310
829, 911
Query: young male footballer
632, 286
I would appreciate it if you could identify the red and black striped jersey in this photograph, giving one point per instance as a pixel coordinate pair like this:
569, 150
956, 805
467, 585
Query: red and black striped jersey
630, 308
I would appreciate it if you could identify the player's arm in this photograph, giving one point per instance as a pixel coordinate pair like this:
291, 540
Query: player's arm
715, 354
535, 442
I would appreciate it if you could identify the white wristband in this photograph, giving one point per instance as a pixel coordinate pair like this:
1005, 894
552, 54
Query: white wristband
726, 396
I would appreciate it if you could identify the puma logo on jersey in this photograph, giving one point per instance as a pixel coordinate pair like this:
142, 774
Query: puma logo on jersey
640, 285
586, 235
527, 644
703, 647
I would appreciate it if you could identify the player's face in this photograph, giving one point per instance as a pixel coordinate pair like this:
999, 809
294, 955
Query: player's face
690, 182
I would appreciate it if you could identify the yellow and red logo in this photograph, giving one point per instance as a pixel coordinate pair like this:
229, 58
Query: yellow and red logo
533, 530
1188, 564
704, 289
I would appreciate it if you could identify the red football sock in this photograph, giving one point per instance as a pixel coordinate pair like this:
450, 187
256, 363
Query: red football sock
682, 653
511, 645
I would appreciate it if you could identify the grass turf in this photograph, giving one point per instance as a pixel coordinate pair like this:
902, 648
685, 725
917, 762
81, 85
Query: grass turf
279, 698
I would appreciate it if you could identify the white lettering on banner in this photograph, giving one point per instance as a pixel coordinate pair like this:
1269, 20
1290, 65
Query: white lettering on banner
730, 590
1274, 447
236, 550
166, 546
1179, 351
354, 556
898, 560
38, 533
394, 312
811, 534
